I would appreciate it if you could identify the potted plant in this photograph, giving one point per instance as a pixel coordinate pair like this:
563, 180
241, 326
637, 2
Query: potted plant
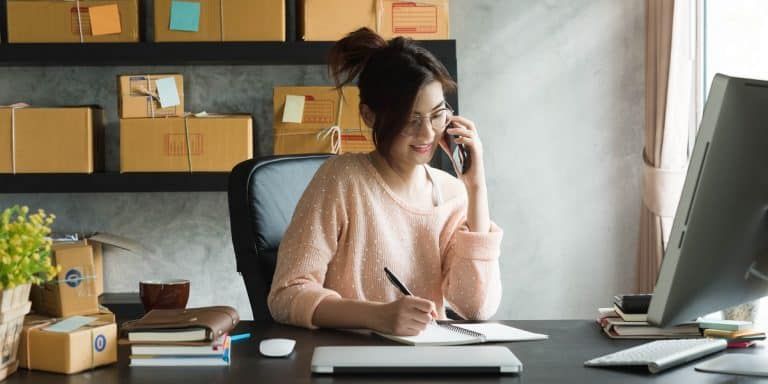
25, 259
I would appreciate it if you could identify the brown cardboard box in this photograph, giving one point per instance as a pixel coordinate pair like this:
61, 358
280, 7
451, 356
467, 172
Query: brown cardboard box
216, 143
56, 21
73, 292
90, 346
330, 20
60, 140
226, 20
320, 111
134, 101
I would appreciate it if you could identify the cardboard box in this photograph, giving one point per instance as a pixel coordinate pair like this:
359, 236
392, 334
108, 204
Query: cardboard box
331, 20
56, 21
139, 98
73, 291
87, 347
47, 140
319, 111
209, 144
226, 20
76, 289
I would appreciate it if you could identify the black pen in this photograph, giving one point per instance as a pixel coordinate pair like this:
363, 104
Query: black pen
396, 282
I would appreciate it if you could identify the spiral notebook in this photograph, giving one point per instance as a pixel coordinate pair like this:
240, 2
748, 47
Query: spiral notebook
459, 334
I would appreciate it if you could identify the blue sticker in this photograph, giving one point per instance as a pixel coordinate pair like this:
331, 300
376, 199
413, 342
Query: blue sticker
100, 343
73, 277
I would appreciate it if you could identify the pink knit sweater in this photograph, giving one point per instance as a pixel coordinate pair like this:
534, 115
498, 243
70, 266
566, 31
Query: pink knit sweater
349, 225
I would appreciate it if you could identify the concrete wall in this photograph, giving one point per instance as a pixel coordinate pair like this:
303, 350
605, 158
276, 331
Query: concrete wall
556, 88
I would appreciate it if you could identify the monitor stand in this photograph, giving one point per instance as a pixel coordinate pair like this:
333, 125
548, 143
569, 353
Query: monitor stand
737, 364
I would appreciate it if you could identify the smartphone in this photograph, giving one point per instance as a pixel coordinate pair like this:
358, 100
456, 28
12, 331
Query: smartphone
458, 154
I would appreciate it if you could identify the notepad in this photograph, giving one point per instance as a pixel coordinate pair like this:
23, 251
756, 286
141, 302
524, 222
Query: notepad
459, 334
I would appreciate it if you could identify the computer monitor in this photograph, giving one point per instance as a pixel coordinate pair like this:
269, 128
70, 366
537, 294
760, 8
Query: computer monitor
717, 254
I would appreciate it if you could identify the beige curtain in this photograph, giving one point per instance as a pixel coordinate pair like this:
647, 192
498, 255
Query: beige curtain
670, 114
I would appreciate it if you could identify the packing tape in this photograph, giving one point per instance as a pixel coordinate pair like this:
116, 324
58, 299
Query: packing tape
13, 108
186, 139
13, 140
150, 97
221, 19
379, 12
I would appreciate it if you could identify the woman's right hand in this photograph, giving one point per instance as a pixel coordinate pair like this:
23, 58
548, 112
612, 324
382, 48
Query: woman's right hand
406, 316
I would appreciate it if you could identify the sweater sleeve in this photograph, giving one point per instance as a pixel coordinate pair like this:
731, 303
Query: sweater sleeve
309, 244
471, 275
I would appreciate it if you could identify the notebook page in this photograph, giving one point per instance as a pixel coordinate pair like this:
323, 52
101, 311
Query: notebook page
435, 335
495, 332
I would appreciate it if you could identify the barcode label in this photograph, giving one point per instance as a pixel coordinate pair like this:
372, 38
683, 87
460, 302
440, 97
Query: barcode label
318, 111
176, 144
85, 18
414, 18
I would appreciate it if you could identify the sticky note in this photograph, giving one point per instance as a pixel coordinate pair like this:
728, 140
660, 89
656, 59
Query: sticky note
185, 16
105, 19
70, 324
294, 109
167, 92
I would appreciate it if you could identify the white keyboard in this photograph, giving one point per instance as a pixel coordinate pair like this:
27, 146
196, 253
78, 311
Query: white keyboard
661, 354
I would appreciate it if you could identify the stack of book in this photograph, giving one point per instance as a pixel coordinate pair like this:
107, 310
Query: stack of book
628, 319
187, 337
738, 333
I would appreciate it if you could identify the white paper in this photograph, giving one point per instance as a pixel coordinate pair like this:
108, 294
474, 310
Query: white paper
495, 332
70, 324
294, 109
167, 92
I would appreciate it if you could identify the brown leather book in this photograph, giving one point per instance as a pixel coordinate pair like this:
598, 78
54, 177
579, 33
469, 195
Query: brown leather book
181, 325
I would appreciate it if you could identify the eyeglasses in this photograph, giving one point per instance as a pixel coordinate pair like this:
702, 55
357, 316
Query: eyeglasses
438, 120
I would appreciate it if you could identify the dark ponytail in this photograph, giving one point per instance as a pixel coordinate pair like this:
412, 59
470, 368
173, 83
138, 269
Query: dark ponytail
350, 54
390, 75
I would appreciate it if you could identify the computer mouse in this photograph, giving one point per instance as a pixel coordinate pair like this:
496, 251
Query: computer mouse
276, 347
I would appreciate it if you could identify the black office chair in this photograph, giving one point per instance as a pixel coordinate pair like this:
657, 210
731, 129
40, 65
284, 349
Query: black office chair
263, 194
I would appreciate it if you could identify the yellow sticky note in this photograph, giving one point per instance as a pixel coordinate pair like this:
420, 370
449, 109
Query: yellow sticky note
105, 19
294, 109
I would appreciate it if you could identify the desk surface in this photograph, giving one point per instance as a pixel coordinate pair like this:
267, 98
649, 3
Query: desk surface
559, 359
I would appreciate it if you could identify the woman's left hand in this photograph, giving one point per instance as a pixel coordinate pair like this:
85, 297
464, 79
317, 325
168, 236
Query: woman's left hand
465, 133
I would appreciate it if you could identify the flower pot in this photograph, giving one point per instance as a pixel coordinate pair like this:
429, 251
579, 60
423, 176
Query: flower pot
14, 305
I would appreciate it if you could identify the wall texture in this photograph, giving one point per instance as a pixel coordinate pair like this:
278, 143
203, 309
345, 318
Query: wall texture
556, 88
557, 91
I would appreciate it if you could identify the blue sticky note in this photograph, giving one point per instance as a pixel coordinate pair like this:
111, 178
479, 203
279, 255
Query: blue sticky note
70, 324
185, 16
167, 92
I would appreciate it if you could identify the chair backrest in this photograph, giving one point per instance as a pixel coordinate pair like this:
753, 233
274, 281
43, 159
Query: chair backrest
263, 194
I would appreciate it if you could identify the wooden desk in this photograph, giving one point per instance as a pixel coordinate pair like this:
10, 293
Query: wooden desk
557, 360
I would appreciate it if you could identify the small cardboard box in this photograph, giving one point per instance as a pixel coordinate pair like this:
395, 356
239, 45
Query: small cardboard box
331, 20
303, 115
76, 289
215, 143
223, 20
56, 21
139, 96
73, 291
47, 140
87, 347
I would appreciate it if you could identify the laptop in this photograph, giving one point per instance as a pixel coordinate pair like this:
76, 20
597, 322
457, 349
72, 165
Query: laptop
409, 359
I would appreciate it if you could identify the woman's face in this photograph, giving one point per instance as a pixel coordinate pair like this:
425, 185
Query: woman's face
419, 140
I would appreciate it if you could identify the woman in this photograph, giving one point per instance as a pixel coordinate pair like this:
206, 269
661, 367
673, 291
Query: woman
364, 212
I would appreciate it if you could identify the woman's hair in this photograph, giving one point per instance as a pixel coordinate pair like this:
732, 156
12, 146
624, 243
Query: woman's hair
390, 75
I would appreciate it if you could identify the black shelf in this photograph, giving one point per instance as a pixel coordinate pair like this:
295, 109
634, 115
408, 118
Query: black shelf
199, 53
114, 182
